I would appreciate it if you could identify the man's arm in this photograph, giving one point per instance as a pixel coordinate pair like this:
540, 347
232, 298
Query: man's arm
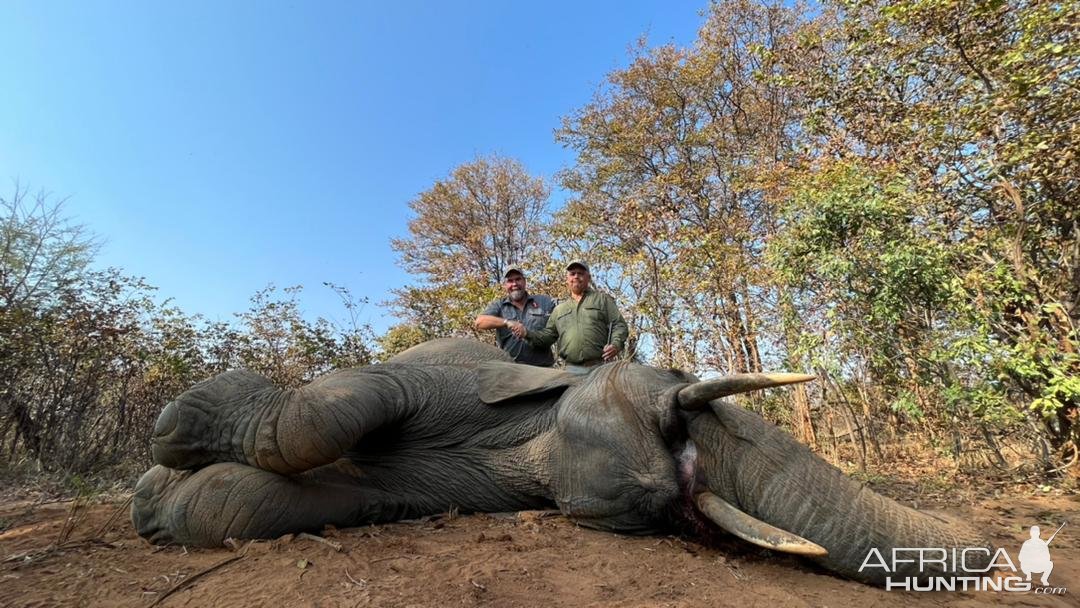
493, 322
619, 329
543, 338
491, 318
489, 322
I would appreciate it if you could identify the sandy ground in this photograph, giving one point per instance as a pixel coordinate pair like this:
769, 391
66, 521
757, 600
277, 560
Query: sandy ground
513, 559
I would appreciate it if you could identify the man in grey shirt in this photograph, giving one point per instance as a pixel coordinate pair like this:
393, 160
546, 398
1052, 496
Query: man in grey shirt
513, 316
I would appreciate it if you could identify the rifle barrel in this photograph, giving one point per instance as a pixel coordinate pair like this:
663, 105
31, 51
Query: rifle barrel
1056, 531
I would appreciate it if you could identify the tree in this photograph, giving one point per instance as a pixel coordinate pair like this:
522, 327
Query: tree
669, 188
973, 106
486, 215
400, 338
42, 255
872, 271
88, 357
40, 249
275, 340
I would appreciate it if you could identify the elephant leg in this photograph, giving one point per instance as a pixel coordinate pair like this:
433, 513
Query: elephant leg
230, 500
239, 416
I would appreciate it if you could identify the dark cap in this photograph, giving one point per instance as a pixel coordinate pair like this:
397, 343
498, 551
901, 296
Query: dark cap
512, 270
577, 263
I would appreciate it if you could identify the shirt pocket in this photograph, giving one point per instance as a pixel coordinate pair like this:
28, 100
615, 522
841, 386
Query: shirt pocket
562, 322
594, 323
593, 314
536, 319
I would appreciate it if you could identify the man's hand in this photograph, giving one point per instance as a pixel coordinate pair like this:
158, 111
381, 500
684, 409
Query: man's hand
517, 328
611, 352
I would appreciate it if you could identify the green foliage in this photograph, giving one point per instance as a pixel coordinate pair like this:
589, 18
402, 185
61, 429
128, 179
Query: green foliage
857, 243
400, 338
933, 225
445, 309
905, 403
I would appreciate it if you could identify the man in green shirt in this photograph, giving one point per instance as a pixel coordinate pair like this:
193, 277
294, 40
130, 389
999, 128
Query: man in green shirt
587, 327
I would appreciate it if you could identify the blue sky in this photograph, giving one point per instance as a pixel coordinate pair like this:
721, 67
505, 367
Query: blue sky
216, 147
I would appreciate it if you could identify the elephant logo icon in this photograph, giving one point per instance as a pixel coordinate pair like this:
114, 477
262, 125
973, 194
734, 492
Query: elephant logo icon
1035, 554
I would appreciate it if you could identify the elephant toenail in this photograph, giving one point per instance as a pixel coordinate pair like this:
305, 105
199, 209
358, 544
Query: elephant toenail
166, 422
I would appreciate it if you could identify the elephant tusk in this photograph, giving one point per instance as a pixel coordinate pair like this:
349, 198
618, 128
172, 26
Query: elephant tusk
696, 396
754, 530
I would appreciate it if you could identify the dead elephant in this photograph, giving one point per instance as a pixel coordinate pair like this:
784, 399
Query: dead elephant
628, 448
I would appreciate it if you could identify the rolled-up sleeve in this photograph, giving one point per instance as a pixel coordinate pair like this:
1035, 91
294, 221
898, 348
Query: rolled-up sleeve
494, 309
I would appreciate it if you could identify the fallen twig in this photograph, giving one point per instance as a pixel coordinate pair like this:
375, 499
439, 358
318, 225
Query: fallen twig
34, 554
112, 517
187, 581
358, 583
326, 541
434, 555
76, 514
383, 559
19, 556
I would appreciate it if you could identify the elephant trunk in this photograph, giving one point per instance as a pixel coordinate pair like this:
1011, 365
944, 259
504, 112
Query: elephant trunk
767, 474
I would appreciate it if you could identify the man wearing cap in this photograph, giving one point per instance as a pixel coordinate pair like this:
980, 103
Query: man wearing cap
588, 327
515, 314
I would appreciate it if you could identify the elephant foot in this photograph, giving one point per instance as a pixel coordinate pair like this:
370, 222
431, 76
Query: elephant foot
210, 422
239, 416
148, 514
230, 500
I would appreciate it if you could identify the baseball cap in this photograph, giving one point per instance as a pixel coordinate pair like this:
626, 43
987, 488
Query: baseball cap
584, 266
512, 269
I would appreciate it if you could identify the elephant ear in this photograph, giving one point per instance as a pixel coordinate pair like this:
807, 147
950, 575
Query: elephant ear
499, 381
